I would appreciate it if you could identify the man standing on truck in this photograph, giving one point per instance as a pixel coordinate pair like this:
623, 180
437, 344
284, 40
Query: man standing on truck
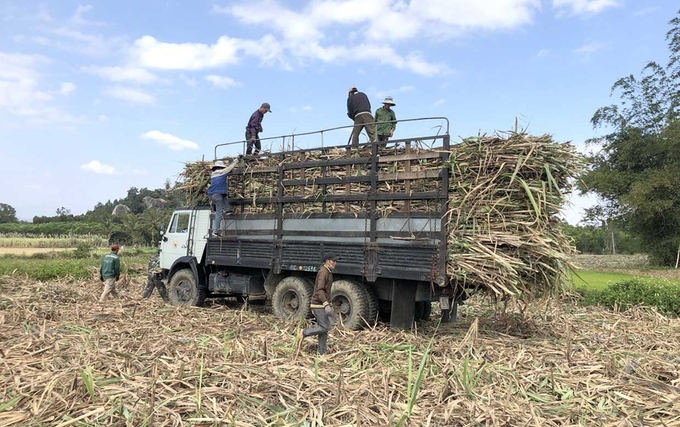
109, 273
386, 120
254, 128
321, 303
359, 110
218, 191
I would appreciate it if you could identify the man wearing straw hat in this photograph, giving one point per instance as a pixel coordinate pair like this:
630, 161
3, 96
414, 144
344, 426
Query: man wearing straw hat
359, 110
218, 190
386, 120
321, 303
254, 128
109, 273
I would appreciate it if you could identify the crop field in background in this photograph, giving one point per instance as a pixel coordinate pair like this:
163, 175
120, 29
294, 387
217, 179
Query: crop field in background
51, 242
29, 250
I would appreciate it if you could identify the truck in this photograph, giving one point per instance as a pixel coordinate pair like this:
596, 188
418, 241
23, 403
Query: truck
381, 208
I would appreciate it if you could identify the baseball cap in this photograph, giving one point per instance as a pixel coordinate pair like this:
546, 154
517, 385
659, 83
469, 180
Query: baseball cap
266, 106
332, 256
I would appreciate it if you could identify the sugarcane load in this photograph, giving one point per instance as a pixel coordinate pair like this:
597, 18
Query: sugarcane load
414, 221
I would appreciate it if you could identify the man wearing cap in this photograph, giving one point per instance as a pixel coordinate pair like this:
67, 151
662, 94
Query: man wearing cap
218, 190
386, 120
110, 272
255, 127
359, 110
321, 303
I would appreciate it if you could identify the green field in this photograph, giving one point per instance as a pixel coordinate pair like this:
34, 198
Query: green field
71, 265
598, 280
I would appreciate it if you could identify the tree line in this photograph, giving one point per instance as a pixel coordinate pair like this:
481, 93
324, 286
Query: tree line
635, 167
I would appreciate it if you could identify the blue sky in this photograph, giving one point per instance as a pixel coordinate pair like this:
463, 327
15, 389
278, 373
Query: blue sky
97, 97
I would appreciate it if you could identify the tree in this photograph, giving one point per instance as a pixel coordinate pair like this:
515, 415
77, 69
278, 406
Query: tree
635, 172
7, 213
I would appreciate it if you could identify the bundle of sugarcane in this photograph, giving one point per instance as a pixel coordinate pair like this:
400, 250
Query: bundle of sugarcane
193, 182
504, 196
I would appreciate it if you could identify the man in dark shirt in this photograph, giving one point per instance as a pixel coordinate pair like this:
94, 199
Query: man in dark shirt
254, 128
359, 110
321, 303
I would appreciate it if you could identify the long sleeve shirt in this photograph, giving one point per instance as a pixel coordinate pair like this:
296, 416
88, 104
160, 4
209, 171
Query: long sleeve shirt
322, 288
384, 115
357, 102
254, 124
218, 179
110, 266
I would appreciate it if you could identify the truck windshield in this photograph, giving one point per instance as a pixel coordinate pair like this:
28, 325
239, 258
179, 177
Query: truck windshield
180, 223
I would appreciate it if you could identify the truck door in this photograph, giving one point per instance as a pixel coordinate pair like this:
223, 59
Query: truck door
175, 240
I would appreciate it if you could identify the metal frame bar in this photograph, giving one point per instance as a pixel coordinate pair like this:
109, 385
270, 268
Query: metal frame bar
243, 143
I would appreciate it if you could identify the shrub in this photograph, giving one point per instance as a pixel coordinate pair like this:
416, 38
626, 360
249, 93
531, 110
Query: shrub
657, 293
82, 251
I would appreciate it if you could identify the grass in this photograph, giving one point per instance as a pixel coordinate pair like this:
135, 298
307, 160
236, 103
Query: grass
59, 265
51, 242
598, 280
591, 280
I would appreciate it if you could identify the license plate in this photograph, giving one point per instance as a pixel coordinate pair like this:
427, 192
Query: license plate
444, 303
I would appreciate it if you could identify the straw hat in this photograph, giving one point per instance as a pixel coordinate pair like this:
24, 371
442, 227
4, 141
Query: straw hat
219, 165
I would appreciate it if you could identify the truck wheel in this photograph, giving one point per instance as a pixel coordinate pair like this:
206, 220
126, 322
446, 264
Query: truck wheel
423, 310
183, 291
292, 297
351, 300
372, 306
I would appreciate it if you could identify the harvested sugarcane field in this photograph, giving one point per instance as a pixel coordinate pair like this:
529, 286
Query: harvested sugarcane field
67, 360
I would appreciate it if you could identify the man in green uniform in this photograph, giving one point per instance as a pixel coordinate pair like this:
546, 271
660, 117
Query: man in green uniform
321, 303
110, 272
386, 120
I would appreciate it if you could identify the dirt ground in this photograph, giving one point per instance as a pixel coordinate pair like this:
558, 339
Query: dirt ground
67, 360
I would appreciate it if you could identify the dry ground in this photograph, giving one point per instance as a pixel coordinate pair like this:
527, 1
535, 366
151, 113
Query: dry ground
30, 251
68, 361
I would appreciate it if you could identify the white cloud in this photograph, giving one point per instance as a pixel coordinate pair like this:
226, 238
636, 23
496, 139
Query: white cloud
77, 41
122, 74
439, 102
222, 81
646, 11
189, 81
579, 7
77, 17
139, 172
44, 16
102, 118
95, 166
171, 141
19, 80
21, 95
588, 49
67, 87
129, 94
151, 53
305, 108
392, 92
543, 52
47, 116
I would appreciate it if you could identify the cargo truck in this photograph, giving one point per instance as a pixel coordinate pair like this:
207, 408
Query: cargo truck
381, 208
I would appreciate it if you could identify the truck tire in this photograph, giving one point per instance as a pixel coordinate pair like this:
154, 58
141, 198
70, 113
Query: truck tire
292, 297
351, 300
373, 306
183, 290
423, 310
